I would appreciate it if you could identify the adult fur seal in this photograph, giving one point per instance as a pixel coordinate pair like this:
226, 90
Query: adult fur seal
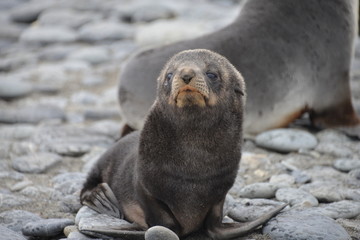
294, 55
177, 171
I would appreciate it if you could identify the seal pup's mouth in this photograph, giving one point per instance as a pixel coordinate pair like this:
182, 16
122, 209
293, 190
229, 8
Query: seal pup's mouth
189, 96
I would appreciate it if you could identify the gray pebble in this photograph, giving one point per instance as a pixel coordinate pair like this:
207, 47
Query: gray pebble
14, 88
296, 197
11, 175
72, 150
346, 165
46, 228
297, 224
160, 233
29, 12
17, 132
84, 212
48, 35
11, 201
16, 219
92, 55
355, 173
300, 177
32, 114
71, 203
149, 13
246, 210
282, 180
325, 191
105, 31
21, 185
64, 17
7, 234
286, 140
56, 52
342, 209
69, 183
35, 163
259, 190
334, 149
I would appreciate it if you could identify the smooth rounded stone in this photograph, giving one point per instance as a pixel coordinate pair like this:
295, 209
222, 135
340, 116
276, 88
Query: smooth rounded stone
18, 132
91, 80
69, 183
29, 12
11, 175
35, 163
10, 31
31, 114
105, 31
76, 66
48, 35
246, 210
56, 52
78, 236
69, 229
282, 180
16, 219
12, 200
14, 88
47, 227
355, 173
331, 135
84, 212
15, 61
346, 165
72, 150
160, 233
296, 197
31, 191
101, 113
259, 190
334, 149
300, 177
298, 224
327, 174
50, 74
286, 140
342, 209
71, 203
325, 191
149, 13
85, 98
92, 55
21, 185
9, 4
6, 233
64, 17
162, 32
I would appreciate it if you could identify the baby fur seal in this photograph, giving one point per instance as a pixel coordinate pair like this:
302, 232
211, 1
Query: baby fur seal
294, 55
177, 170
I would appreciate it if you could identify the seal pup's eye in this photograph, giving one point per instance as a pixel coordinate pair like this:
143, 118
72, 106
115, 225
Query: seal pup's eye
211, 75
168, 78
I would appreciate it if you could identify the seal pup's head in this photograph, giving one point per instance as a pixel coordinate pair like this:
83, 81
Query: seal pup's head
200, 80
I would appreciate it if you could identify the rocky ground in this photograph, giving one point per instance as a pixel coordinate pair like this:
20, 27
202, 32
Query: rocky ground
59, 66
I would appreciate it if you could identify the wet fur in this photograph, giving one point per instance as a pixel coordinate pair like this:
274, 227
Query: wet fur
178, 169
295, 57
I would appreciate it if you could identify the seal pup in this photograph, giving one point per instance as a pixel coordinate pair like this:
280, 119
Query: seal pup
177, 170
295, 57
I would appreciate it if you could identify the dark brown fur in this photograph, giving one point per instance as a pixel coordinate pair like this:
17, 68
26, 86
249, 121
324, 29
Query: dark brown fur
177, 171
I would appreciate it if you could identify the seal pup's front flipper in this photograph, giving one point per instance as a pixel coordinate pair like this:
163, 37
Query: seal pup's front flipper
102, 200
216, 229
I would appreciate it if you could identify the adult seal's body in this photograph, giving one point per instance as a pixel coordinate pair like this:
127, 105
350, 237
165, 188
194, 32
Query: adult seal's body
294, 55
176, 172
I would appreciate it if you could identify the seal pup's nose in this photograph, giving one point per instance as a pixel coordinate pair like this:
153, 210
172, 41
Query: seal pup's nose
186, 75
